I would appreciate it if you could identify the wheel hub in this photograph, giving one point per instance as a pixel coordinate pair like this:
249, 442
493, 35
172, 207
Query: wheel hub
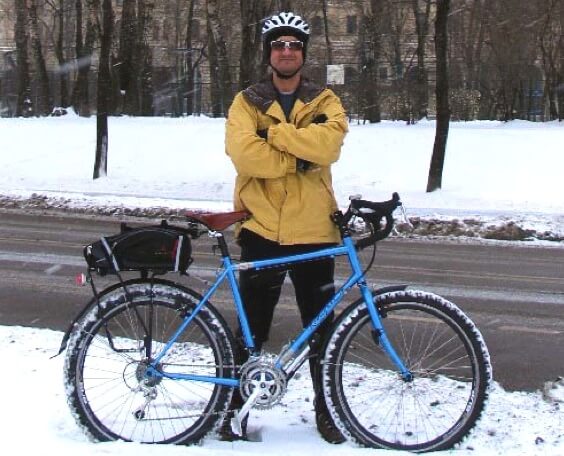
136, 378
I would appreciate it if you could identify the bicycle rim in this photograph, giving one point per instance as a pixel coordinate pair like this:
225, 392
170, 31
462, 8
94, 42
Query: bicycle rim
447, 357
114, 399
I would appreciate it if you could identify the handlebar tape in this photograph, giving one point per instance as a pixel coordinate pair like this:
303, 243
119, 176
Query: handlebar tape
374, 212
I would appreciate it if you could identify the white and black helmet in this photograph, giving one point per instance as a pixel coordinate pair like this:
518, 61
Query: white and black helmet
284, 24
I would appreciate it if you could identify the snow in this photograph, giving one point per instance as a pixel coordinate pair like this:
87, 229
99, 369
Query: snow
35, 417
494, 172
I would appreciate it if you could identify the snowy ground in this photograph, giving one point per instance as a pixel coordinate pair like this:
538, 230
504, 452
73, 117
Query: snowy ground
495, 175
35, 418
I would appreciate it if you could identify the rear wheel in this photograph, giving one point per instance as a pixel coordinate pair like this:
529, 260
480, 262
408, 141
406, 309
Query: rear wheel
371, 402
108, 354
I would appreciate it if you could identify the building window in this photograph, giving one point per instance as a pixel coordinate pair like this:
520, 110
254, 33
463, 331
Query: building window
351, 24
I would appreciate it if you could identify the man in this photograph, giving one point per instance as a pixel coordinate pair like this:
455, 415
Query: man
282, 135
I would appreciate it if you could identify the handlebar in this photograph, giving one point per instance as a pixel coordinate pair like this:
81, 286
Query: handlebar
373, 213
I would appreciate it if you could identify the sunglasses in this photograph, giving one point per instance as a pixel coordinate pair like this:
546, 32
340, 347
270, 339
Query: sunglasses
280, 45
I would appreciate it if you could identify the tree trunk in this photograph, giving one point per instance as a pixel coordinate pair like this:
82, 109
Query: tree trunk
422, 28
250, 71
221, 65
104, 92
59, 46
215, 88
84, 50
561, 66
189, 78
193, 60
326, 27
369, 57
285, 5
126, 54
145, 16
443, 111
24, 105
45, 101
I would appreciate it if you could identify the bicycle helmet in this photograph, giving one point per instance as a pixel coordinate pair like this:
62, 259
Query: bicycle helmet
284, 24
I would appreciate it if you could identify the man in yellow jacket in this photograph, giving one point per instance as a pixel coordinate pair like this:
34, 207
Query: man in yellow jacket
283, 135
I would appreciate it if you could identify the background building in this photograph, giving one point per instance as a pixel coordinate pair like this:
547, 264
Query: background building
190, 56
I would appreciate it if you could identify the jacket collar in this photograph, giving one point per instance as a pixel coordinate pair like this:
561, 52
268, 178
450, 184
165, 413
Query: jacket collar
263, 94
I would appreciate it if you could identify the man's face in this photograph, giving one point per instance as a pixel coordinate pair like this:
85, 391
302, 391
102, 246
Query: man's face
286, 60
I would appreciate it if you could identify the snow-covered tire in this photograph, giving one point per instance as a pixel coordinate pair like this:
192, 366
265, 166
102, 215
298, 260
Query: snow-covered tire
370, 401
105, 362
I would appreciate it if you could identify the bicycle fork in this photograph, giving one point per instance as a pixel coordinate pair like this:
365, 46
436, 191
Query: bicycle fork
368, 297
383, 339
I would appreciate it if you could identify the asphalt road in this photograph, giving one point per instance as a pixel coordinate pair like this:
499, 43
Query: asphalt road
514, 293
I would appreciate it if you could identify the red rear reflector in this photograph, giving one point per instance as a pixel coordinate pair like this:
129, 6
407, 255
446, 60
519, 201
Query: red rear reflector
80, 279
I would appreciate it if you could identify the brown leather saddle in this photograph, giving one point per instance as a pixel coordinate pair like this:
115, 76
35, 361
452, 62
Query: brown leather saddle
217, 221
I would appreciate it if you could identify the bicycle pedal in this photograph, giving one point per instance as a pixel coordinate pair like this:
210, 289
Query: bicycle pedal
236, 426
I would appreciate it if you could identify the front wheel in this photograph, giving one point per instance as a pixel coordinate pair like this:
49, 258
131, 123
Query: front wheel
368, 398
109, 352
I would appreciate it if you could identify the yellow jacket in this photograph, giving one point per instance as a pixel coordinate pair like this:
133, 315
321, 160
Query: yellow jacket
287, 206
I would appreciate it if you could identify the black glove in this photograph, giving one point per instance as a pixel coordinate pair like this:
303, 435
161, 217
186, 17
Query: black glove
321, 118
303, 165
263, 133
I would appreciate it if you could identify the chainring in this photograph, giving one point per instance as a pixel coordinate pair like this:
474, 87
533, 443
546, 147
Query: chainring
263, 374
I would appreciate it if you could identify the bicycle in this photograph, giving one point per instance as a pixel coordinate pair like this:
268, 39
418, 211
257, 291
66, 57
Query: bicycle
151, 360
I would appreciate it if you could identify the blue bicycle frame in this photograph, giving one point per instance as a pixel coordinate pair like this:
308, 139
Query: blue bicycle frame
296, 349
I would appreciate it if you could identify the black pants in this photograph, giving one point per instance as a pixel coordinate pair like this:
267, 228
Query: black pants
260, 290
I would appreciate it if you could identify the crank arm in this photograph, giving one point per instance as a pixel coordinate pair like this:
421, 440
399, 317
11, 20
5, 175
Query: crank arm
239, 416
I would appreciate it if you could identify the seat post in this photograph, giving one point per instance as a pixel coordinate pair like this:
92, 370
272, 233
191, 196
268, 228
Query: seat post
222, 244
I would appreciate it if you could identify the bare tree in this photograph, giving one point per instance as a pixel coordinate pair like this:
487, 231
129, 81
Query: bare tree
551, 44
370, 48
24, 105
252, 13
222, 91
104, 91
144, 56
328, 46
434, 181
510, 59
194, 57
560, 81
126, 54
421, 12
284, 5
45, 101
59, 10
84, 48
395, 23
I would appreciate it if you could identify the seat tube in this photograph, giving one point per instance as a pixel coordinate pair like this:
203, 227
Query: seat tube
241, 314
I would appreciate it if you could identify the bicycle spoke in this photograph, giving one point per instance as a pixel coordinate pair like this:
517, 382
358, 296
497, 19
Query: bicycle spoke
435, 408
116, 400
